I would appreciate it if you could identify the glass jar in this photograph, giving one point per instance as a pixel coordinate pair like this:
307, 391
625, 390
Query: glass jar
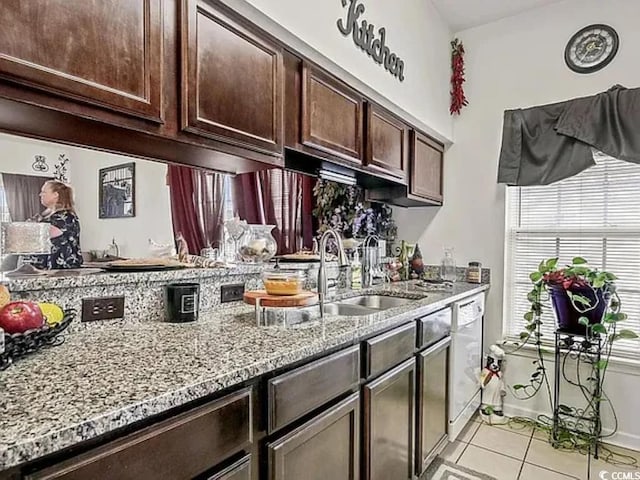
258, 245
474, 272
448, 266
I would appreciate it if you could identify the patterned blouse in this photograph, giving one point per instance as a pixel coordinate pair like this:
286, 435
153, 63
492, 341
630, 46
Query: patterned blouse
65, 249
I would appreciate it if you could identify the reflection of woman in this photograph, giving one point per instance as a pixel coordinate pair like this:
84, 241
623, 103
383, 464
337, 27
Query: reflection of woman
65, 226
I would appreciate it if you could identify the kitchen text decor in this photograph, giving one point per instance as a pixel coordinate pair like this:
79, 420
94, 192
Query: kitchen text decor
365, 38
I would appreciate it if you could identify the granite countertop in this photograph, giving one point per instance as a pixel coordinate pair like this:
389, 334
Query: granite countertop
55, 279
90, 277
106, 378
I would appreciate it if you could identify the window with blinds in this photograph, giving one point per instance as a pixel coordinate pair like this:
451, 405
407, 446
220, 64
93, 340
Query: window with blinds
594, 215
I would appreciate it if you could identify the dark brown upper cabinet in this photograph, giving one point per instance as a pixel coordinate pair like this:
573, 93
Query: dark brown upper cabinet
232, 80
425, 181
387, 142
424, 176
332, 115
107, 54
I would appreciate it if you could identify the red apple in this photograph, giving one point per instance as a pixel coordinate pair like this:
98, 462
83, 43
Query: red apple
18, 317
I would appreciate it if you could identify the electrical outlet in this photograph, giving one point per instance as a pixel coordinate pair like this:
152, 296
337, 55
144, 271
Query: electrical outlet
231, 293
102, 308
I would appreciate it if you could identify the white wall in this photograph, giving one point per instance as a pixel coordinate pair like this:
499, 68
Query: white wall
415, 32
517, 62
153, 210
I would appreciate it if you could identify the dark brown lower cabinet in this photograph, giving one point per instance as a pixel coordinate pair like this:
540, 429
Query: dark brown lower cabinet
179, 448
241, 470
431, 428
389, 424
325, 448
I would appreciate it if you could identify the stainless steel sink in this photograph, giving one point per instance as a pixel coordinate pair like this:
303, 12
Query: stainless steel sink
347, 307
376, 302
347, 310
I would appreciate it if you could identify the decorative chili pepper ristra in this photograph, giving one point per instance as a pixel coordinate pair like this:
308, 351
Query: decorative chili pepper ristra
458, 100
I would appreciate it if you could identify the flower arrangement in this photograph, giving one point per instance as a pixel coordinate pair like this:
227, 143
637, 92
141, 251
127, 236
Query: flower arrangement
335, 206
341, 207
374, 220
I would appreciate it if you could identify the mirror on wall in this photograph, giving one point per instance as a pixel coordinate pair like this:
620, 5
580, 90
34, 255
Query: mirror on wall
130, 208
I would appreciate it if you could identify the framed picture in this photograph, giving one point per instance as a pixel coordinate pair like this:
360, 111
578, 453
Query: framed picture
117, 191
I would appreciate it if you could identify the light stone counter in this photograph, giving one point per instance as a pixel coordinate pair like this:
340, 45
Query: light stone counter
102, 379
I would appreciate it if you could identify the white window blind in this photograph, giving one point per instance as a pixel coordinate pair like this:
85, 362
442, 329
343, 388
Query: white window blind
595, 215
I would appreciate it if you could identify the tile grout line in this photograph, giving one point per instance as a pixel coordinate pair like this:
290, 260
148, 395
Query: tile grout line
496, 453
466, 445
500, 453
526, 452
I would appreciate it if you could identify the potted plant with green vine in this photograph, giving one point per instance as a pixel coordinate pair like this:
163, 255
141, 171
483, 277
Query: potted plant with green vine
588, 312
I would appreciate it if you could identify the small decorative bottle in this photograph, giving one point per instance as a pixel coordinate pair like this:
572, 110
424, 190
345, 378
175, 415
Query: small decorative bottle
404, 261
356, 272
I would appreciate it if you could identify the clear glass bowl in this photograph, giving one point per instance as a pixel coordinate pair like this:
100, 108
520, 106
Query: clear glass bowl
258, 245
282, 282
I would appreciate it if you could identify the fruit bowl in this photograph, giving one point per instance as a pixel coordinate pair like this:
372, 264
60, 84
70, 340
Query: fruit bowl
18, 345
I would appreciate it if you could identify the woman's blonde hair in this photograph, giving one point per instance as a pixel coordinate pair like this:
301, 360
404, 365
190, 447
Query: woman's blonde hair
65, 195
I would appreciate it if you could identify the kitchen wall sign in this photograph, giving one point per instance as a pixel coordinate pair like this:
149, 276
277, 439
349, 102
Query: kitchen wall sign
365, 38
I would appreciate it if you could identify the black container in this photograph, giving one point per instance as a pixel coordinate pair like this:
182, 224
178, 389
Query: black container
181, 302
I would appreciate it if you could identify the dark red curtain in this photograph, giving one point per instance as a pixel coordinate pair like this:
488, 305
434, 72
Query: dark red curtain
280, 198
209, 202
197, 206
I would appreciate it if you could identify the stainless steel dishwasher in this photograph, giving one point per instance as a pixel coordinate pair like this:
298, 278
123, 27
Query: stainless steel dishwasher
432, 386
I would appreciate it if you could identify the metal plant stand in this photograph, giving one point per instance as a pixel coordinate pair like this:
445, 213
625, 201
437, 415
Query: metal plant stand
586, 423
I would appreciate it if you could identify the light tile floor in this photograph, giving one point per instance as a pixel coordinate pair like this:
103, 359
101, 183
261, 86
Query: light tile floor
518, 452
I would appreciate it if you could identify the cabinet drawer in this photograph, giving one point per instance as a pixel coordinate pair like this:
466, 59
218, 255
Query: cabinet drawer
178, 448
389, 349
434, 327
293, 394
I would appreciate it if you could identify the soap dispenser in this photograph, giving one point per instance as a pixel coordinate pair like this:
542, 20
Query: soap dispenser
356, 272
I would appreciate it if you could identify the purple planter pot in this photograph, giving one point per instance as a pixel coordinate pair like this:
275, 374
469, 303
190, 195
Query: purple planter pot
567, 316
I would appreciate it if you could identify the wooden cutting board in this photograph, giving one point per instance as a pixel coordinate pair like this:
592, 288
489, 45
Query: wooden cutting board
300, 300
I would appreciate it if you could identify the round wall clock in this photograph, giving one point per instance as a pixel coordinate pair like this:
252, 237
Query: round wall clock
591, 49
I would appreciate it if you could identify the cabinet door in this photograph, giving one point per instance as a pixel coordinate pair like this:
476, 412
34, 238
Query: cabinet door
232, 80
426, 168
389, 424
332, 116
387, 145
106, 53
432, 402
241, 470
323, 448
